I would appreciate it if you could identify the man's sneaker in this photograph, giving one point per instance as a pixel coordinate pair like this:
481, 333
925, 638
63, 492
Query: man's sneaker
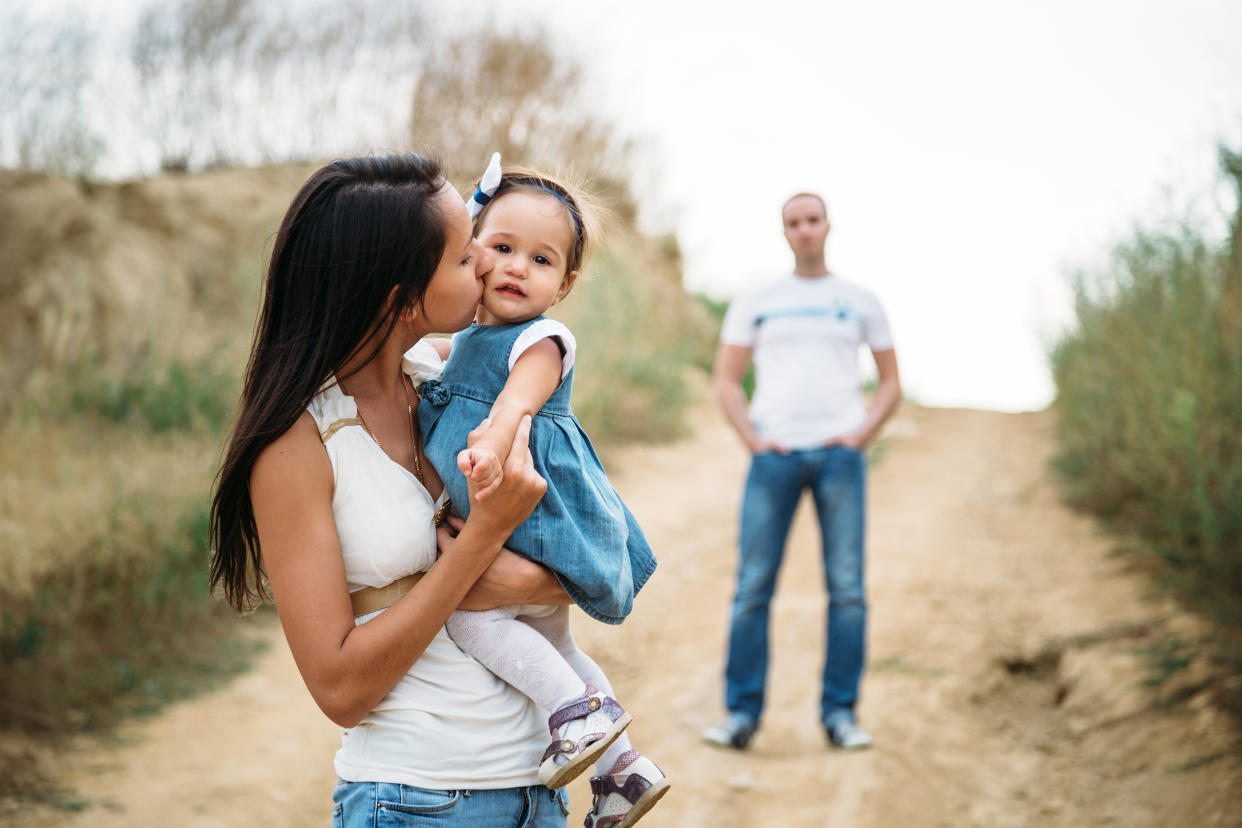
844, 733
734, 732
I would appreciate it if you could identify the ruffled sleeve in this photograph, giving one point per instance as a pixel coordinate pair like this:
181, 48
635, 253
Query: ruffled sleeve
422, 363
331, 405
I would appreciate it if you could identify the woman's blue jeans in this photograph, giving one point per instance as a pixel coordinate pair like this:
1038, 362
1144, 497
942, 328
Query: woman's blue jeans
390, 805
836, 477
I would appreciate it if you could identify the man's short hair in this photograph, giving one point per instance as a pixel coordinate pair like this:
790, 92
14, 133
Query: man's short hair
815, 196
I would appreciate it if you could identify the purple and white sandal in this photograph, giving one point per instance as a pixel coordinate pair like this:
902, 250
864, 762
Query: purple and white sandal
602, 721
628, 791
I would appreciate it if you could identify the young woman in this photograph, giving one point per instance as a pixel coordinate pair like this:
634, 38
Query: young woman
325, 496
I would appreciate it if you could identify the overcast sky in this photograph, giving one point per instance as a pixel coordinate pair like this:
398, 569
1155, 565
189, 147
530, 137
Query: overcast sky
972, 152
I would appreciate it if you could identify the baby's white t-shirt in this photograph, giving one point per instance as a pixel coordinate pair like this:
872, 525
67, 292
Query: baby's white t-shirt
805, 333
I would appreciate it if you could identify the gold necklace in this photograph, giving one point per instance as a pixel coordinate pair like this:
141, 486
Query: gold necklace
409, 407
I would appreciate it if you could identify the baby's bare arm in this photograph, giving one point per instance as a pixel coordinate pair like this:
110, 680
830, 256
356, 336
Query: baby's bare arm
535, 376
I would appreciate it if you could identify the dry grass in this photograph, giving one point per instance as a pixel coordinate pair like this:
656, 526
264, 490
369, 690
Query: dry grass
63, 482
130, 275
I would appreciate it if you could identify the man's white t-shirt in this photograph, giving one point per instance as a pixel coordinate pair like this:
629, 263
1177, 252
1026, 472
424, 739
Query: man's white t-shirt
805, 333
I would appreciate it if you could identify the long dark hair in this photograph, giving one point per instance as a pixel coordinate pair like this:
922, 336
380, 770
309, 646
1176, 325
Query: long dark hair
358, 228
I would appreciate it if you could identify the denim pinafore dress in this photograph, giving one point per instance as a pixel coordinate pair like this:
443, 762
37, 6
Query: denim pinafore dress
581, 530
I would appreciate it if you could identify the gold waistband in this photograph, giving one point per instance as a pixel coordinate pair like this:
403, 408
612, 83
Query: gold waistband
371, 599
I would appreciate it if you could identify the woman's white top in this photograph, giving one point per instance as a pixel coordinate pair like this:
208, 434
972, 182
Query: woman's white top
448, 723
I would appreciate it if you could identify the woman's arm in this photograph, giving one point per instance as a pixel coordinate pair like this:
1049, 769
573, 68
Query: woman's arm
511, 580
532, 380
349, 669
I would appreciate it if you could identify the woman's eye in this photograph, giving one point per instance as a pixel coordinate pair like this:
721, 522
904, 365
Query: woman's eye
466, 261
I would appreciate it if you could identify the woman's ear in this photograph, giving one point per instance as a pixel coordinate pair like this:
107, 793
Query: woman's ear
407, 314
567, 285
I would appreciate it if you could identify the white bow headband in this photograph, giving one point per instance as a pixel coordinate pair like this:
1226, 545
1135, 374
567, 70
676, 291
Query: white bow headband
490, 182
487, 187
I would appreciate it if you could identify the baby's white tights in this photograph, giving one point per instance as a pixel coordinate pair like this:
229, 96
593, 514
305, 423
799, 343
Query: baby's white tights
532, 648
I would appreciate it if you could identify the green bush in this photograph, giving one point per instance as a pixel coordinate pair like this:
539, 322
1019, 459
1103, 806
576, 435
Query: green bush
176, 396
628, 378
1149, 396
1150, 399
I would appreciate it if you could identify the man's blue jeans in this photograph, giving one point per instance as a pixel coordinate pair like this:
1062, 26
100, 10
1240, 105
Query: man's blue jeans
836, 477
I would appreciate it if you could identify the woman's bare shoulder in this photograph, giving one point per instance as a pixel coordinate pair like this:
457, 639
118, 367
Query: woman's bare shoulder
294, 458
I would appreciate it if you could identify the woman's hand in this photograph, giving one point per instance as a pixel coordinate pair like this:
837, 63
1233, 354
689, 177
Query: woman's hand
519, 490
513, 580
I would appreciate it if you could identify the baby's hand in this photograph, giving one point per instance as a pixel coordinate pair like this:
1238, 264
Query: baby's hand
482, 467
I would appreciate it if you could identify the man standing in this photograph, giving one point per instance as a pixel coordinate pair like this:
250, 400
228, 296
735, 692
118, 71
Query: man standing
807, 428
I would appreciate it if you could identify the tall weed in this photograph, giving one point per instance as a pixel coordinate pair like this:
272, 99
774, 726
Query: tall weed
638, 334
1149, 393
104, 604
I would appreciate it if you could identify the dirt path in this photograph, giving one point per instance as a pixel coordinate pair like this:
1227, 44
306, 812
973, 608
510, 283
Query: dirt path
972, 565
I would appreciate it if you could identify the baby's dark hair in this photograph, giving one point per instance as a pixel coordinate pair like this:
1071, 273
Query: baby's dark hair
582, 211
